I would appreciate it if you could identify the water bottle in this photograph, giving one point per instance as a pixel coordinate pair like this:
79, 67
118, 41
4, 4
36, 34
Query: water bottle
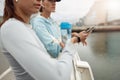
66, 29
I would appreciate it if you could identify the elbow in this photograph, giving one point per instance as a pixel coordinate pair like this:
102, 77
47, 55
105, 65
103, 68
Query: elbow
54, 51
53, 54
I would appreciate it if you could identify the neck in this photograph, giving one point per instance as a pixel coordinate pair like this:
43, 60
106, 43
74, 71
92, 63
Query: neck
24, 16
26, 19
45, 14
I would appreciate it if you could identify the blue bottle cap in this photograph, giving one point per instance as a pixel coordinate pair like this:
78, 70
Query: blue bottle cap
65, 25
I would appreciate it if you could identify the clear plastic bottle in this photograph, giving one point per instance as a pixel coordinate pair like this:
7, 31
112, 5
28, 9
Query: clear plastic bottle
66, 29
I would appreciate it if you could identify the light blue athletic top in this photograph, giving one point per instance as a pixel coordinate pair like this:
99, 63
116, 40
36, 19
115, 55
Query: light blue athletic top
49, 33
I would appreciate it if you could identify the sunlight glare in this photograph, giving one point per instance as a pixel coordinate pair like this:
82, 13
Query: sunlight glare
113, 5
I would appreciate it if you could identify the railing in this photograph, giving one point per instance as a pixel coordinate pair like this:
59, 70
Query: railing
82, 69
98, 28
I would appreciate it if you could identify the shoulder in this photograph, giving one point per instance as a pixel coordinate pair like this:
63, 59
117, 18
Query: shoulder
12, 26
11, 23
14, 30
36, 19
38, 22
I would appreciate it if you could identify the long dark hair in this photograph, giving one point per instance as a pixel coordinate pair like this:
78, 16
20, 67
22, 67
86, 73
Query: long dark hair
9, 12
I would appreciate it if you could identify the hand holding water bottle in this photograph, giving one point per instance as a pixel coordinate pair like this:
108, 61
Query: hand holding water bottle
66, 29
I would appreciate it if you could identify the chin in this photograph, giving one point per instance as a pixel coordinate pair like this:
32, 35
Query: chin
53, 11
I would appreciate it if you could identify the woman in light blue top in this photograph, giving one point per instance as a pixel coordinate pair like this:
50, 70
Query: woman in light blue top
47, 29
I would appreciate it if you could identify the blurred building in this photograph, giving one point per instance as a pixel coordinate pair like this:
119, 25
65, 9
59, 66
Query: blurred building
103, 13
97, 13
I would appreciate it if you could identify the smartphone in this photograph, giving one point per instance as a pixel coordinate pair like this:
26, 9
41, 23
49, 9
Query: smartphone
90, 29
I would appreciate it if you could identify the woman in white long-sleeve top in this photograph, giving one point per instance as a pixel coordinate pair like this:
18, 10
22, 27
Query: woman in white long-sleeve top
47, 29
27, 55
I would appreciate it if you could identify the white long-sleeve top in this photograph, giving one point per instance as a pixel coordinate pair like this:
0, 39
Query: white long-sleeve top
22, 43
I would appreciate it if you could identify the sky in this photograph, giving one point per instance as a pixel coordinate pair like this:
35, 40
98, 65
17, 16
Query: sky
67, 10
72, 10
113, 9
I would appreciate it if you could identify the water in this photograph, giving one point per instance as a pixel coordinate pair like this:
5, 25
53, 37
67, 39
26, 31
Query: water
103, 55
